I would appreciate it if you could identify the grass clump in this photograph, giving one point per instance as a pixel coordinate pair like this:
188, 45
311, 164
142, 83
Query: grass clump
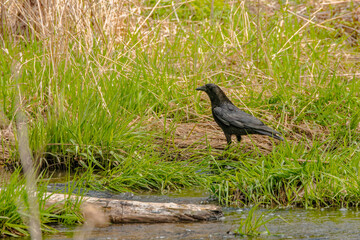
14, 207
250, 226
148, 173
325, 179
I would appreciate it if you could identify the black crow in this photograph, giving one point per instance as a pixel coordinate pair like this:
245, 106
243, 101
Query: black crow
232, 120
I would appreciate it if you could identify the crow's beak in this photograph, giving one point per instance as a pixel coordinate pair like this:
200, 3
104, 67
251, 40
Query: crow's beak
202, 88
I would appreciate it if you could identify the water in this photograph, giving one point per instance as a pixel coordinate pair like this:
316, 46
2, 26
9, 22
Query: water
301, 224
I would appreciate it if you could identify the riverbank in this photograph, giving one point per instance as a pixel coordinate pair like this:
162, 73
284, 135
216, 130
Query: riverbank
109, 89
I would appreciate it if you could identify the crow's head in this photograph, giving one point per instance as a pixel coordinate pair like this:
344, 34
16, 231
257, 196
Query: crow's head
216, 95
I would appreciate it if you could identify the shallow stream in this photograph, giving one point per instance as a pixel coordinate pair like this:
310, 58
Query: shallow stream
300, 224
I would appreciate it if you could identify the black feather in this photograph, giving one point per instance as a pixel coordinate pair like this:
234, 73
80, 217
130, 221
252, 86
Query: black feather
231, 119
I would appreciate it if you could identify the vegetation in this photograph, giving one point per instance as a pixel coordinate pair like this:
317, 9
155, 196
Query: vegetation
110, 87
250, 226
14, 204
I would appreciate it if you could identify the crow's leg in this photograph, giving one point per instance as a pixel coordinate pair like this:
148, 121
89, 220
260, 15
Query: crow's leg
228, 138
238, 137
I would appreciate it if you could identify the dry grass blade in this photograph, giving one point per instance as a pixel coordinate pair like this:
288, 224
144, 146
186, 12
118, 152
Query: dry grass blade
27, 165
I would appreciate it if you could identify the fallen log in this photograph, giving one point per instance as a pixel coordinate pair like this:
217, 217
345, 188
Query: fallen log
126, 211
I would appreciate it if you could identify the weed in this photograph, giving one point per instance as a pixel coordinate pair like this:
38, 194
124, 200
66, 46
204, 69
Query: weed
14, 207
250, 226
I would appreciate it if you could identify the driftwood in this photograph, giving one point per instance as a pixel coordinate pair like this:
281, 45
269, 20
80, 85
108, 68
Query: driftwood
126, 211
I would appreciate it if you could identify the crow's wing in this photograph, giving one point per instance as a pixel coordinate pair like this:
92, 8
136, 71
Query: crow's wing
232, 116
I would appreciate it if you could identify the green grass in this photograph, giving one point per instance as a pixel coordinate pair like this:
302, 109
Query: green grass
250, 226
14, 208
275, 180
149, 173
111, 100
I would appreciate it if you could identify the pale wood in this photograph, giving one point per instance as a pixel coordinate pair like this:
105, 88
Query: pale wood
126, 211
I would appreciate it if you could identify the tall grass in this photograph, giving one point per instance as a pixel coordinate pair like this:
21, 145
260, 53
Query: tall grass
107, 84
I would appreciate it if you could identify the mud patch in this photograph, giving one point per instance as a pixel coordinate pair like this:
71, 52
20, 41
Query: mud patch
187, 139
